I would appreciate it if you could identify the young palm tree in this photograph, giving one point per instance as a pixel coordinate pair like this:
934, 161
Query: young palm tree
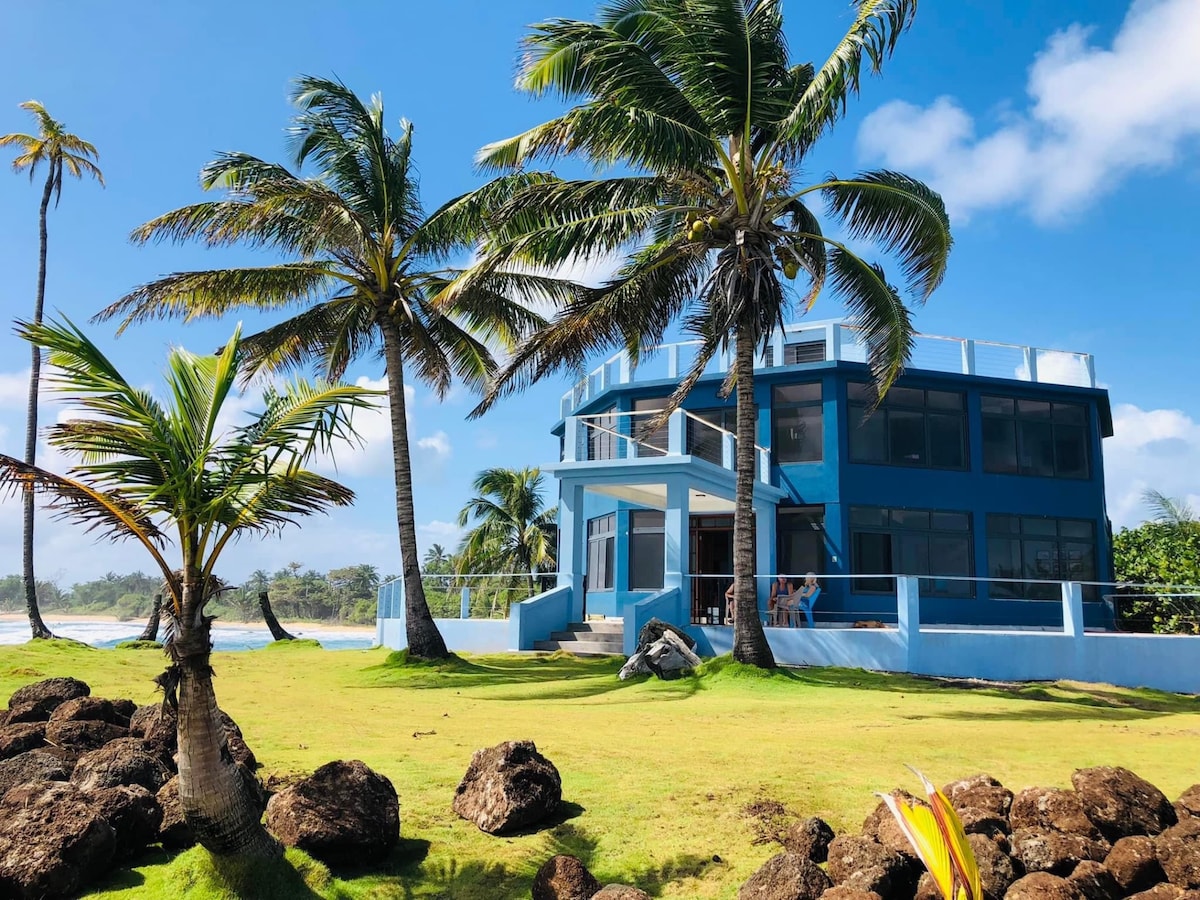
514, 531
62, 152
147, 468
363, 261
699, 101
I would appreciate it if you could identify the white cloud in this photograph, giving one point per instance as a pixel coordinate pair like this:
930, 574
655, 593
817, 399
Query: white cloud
438, 442
1094, 116
1158, 449
14, 389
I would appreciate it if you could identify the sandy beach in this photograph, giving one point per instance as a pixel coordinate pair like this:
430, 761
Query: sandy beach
290, 624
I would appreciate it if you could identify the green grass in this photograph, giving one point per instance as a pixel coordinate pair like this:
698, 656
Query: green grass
656, 775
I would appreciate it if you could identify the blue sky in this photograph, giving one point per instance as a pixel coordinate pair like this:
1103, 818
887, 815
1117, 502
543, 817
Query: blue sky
1063, 136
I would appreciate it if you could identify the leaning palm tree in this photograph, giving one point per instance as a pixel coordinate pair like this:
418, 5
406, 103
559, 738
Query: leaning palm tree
698, 102
62, 152
363, 261
514, 532
147, 468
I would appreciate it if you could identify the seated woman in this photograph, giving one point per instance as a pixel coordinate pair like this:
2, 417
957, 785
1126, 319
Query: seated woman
730, 605
780, 602
803, 598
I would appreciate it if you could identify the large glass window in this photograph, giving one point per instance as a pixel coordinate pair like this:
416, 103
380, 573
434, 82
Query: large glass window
925, 542
1035, 437
801, 535
1039, 548
601, 547
647, 548
911, 427
798, 424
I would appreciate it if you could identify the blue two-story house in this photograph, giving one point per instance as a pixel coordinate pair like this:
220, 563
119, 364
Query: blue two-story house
981, 472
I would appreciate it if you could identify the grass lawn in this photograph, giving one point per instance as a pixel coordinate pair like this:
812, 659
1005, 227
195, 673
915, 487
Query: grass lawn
656, 774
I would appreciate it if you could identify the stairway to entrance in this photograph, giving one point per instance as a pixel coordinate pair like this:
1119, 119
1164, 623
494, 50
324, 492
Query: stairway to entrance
600, 638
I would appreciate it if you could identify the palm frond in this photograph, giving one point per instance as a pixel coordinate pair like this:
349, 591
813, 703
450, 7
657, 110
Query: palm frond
876, 311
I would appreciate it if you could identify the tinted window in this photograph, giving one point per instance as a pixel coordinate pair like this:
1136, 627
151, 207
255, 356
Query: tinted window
798, 423
910, 427
1041, 549
922, 542
1035, 437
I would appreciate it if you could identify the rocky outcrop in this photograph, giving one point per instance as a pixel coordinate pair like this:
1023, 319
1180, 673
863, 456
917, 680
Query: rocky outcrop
508, 787
1121, 803
1051, 808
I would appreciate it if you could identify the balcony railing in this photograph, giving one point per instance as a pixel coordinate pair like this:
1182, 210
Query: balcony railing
834, 341
616, 436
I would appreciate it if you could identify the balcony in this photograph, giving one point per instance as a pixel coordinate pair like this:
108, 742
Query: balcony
832, 341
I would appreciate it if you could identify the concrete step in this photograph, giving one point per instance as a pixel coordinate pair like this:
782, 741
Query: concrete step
579, 648
604, 637
599, 626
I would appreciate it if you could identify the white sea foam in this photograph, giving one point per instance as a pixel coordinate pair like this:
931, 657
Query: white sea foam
225, 637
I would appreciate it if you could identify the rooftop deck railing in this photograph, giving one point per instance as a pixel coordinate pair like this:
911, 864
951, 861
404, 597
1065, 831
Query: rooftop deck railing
835, 341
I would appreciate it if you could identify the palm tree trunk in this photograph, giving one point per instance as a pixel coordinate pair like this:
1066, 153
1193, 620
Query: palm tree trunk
424, 639
219, 803
150, 633
36, 625
278, 632
749, 640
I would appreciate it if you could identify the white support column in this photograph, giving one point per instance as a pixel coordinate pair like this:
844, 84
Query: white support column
764, 465
672, 360
1031, 362
1072, 604
728, 450
464, 608
677, 540
908, 620
968, 357
623, 367
676, 433
764, 551
572, 545
777, 346
571, 435
833, 341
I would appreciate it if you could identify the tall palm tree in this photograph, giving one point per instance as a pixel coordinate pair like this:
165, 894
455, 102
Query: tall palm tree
699, 103
62, 152
364, 262
1176, 512
436, 557
148, 468
513, 531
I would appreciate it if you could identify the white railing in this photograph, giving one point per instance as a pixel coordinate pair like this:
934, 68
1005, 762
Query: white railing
843, 343
615, 436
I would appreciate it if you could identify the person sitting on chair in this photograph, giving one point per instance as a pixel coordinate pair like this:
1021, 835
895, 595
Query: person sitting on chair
780, 601
805, 596
730, 604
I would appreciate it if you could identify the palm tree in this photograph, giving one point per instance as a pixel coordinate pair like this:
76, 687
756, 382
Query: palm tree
514, 531
62, 152
699, 103
147, 468
1175, 512
366, 264
436, 558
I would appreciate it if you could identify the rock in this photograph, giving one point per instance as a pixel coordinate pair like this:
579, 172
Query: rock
786, 876
841, 892
1121, 803
146, 717
156, 725
980, 792
881, 826
238, 749
1095, 882
983, 821
1046, 850
174, 833
33, 765
120, 762
997, 871
667, 657
54, 842
82, 736
1043, 886
1161, 892
134, 816
1178, 850
857, 861
620, 892
809, 838
21, 738
1188, 803
1052, 808
1133, 863
89, 709
343, 813
54, 691
124, 708
564, 878
33, 711
508, 787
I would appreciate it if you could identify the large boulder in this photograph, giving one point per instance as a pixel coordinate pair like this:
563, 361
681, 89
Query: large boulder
1188, 803
81, 737
1046, 850
997, 871
508, 787
1121, 803
1043, 886
1133, 863
1052, 808
31, 711
858, 862
52, 692
809, 838
174, 833
343, 813
786, 876
156, 726
54, 841
1178, 851
21, 738
1165, 892
33, 765
982, 792
120, 762
564, 878
89, 709
1095, 882
881, 826
134, 816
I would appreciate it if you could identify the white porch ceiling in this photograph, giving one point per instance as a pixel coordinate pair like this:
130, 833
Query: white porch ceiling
655, 496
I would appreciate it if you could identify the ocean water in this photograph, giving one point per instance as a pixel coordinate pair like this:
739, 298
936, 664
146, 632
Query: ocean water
225, 637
